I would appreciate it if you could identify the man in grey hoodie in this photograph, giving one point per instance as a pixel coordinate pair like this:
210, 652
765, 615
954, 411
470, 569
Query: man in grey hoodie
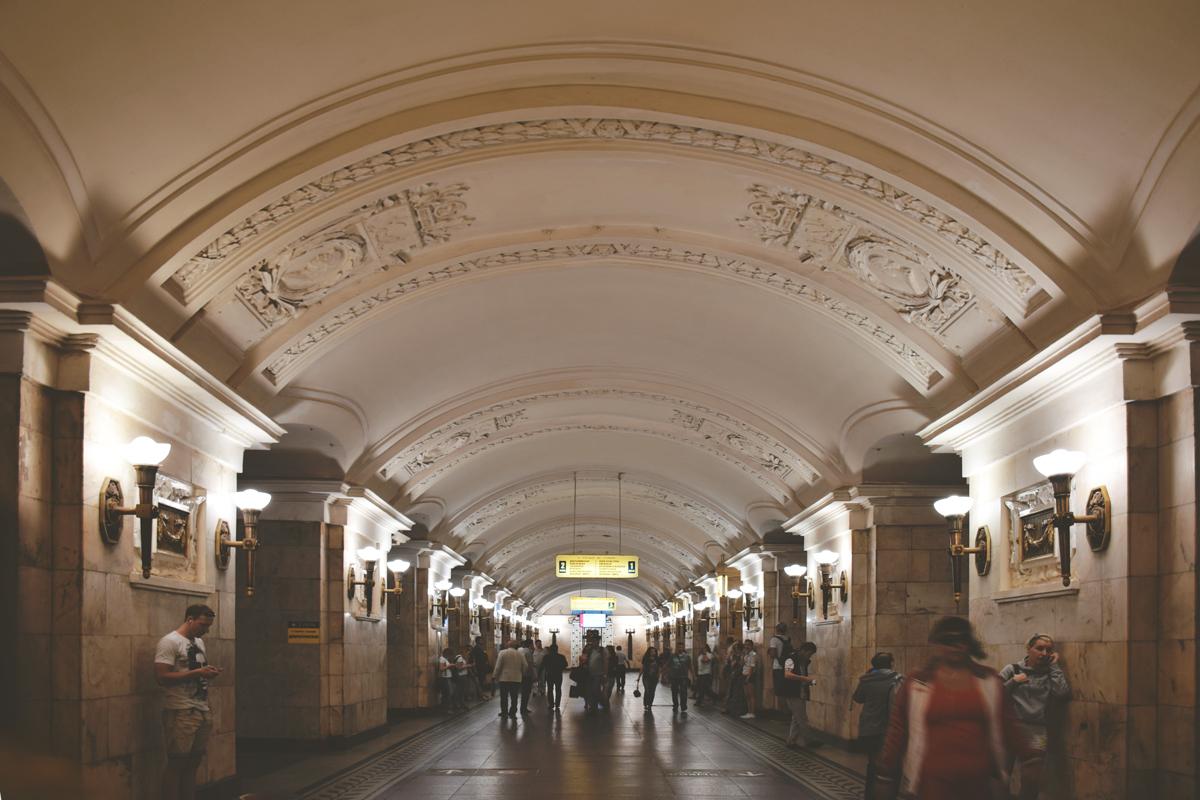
875, 691
1033, 683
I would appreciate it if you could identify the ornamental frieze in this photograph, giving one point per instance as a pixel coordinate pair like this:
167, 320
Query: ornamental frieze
198, 269
908, 361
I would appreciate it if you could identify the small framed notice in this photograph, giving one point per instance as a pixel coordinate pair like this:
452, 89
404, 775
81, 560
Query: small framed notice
304, 632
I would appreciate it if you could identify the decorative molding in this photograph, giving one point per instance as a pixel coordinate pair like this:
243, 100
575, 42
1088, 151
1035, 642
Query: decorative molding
957, 234
712, 429
908, 279
427, 477
375, 236
882, 338
926, 294
692, 509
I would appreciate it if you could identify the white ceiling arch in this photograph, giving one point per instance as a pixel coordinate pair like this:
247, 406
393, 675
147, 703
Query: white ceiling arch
655, 197
724, 424
548, 495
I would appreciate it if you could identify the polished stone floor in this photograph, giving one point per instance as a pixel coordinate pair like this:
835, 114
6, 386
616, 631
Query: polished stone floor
621, 754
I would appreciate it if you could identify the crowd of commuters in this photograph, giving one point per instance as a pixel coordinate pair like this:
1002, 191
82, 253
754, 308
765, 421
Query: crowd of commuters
988, 720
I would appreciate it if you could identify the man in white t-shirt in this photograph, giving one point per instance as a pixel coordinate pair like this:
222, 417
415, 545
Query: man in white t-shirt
181, 667
776, 647
622, 667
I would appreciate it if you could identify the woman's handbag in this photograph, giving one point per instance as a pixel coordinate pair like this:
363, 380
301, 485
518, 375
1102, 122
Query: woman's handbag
573, 690
637, 692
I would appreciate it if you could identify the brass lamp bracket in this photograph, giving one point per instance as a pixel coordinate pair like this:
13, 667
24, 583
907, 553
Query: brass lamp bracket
112, 498
222, 541
1099, 518
983, 551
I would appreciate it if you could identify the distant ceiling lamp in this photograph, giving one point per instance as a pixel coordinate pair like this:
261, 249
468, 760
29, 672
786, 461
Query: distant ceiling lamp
145, 455
797, 572
1060, 466
826, 559
955, 509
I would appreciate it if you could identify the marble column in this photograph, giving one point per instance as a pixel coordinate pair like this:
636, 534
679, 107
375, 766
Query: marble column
412, 655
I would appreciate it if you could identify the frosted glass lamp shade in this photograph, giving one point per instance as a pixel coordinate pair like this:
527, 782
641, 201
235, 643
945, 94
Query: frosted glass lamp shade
457, 591
1060, 462
251, 499
825, 557
369, 554
398, 565
442, 586
795, 570
734, 594
145, 452
751, 591
953, 506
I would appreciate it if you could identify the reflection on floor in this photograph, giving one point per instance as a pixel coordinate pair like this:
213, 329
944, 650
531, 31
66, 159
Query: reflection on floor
621, 754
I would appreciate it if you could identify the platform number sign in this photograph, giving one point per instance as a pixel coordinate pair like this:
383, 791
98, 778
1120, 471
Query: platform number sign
575, 565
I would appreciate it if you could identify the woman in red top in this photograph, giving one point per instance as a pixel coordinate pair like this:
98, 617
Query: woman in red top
952, 725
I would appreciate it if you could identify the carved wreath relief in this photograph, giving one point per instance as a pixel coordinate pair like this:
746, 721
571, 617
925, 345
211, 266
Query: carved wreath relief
925, 293
374, 237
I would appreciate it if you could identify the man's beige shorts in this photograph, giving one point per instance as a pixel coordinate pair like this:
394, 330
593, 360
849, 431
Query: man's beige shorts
185, 731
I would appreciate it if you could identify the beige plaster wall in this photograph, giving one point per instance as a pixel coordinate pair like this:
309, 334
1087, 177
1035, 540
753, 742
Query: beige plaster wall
1126, 629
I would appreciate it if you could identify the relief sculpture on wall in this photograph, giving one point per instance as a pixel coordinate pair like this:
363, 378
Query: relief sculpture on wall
1032, 536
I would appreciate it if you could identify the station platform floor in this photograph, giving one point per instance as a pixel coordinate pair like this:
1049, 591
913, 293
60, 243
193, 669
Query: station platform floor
620, 754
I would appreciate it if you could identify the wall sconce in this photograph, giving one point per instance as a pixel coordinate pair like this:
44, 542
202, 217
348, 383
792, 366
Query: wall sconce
397, 567
1060, 467
751, 605
796, 572
825, 560
251, 502
955, 509
554, 636
145, 455
440, 608
737, 608
369, 556
481, 605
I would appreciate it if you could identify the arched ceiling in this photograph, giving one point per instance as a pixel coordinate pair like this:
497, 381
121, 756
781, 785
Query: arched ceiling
483, 269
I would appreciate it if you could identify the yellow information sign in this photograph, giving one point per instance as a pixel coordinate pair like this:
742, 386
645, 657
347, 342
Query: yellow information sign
304, 632
593, 603
574, 565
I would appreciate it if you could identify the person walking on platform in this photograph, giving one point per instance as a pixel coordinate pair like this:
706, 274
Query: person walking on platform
623, 667
680, 672
526, 651
553, 666
876, 690
649, 676
735, 693
750, 676
481, 668
704, 675
794, 684
952, 727
508, 674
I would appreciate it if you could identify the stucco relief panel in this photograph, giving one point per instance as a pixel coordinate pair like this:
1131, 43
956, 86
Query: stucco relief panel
709, 425
199, 269
374, 237
927, 294
906, 359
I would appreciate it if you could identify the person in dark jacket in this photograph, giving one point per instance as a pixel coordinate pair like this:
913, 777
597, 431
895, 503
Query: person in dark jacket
875, 691
649, 676
553, 665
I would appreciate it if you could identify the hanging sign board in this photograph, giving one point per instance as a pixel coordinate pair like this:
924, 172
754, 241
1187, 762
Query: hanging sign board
573, 565
608, 604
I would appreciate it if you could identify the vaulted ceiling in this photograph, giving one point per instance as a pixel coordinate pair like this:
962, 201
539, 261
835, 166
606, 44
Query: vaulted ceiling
495, 265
